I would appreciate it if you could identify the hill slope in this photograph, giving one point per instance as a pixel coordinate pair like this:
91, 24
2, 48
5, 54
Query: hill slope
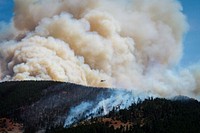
42, 104
45, 105
150, 116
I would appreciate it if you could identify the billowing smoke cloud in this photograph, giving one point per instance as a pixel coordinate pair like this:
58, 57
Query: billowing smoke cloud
133, 44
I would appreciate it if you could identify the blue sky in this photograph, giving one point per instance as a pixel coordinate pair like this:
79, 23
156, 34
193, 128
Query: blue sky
191, 8
6, 10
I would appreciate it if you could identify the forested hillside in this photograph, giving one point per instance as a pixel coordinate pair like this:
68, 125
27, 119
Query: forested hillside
150, 116
31, 106
42, 104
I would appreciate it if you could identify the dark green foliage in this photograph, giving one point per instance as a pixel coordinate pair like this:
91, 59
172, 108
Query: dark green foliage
24, 101
17, 94
150, 116
42, 104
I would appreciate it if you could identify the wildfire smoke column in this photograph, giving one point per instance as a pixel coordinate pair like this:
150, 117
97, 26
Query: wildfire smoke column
133, 44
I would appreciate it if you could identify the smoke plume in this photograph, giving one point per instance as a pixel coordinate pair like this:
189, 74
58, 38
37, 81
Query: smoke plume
133, 44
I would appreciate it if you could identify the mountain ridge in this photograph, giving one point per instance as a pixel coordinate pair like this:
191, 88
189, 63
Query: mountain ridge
44, 106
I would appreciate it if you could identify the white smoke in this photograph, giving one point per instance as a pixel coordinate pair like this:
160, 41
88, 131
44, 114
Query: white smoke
133, 44
102, 106
7, 31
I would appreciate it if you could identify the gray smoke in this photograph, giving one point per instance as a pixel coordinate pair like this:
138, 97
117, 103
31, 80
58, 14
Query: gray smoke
132, 44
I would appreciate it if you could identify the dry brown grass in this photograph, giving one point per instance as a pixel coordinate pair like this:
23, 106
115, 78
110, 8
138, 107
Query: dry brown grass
8, 126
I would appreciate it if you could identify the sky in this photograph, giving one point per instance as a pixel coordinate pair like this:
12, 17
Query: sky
6, 10
191, 8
